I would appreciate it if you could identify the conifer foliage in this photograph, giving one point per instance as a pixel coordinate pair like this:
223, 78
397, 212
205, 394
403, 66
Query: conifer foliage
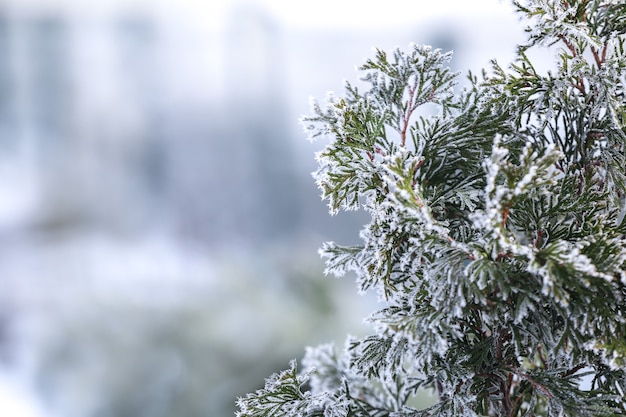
497, 240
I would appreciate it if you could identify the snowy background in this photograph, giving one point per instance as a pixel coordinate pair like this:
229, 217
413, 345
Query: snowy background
158, 221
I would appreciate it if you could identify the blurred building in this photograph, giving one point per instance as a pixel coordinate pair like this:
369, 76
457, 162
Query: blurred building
105, 132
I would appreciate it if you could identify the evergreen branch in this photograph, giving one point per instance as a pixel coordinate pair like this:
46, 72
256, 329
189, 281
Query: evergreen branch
497, 236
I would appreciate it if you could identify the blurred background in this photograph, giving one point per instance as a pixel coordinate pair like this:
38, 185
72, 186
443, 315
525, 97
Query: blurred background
158, 221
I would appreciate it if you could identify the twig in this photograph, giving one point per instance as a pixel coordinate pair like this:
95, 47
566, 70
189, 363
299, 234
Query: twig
406, 116
534, 383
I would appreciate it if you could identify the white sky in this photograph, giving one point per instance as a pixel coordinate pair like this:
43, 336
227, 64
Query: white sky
371, 13
15, 402
301, 13
344, 13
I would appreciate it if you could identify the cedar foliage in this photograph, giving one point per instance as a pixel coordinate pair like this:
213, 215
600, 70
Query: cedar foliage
497, 239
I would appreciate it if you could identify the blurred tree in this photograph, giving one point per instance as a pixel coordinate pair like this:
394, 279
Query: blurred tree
497, 237
109, 355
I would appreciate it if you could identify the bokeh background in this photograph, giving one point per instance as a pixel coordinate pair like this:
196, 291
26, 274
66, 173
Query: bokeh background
158, 221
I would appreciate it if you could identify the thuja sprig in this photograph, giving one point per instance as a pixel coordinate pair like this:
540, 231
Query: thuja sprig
496, 240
